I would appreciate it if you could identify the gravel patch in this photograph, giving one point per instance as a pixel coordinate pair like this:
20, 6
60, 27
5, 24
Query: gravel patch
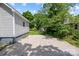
40, 45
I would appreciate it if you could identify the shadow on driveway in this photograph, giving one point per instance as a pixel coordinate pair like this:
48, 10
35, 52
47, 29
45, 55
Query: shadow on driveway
18, 49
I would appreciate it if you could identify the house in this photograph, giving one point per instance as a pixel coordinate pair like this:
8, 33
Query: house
74, 23
12, 24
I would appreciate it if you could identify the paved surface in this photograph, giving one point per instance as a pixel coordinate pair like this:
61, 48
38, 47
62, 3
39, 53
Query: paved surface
40, 45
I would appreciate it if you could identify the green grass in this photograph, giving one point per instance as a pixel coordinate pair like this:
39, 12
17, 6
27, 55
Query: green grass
34, 32
72, 41
2, 46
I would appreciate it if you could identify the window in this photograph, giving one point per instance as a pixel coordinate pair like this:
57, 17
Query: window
23, 24
0, 39
76, 26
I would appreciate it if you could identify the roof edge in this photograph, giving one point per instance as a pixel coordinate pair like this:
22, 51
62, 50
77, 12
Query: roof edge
14, 10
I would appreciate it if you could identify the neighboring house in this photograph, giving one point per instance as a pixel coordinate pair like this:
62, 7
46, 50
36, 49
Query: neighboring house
12, 24
76, 26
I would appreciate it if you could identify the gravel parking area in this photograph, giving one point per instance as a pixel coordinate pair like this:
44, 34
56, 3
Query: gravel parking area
40, 45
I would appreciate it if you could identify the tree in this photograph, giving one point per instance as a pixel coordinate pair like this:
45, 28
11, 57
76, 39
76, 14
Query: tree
40, 20
57, 13
52, 9
30, 17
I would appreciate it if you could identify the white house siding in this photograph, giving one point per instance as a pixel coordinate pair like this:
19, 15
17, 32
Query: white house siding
19, 29
6, 21
11, 24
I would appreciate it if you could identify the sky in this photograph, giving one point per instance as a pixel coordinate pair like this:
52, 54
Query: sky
75, 9
32, 7
35, 7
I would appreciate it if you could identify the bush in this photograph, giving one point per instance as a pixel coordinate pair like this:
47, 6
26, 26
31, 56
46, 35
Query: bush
72, 41
59, 31
76, 35
63, 31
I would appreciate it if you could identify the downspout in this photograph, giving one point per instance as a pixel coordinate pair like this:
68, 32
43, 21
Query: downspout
13, 26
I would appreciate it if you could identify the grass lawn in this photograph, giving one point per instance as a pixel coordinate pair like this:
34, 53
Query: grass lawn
34, 32
73, 42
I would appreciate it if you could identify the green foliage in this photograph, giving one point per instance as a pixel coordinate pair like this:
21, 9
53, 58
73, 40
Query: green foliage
40, 20
34, 31
52, 9
59, 18
76, 35
76, 31
30, 17
72, 41
54, 19
63, 31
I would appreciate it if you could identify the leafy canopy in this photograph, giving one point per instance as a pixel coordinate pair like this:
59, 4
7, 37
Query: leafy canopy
28, 15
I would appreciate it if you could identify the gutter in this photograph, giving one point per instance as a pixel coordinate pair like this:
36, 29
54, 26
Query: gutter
19, 14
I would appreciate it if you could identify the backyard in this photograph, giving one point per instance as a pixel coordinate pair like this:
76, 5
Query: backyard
68, 39
40, 45
55, 19
53, 31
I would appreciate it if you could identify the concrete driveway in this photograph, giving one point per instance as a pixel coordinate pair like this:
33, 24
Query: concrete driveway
40, 45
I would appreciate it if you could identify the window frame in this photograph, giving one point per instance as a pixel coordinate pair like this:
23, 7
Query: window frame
24, 24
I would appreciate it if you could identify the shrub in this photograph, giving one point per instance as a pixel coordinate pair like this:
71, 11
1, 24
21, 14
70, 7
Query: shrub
63, 31
76, 35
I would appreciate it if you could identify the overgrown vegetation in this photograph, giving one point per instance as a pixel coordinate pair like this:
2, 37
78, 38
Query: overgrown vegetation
54, 19
34, 31
72, 41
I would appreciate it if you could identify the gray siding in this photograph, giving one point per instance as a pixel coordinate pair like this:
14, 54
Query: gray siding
6, 21
19, 29
11, 24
